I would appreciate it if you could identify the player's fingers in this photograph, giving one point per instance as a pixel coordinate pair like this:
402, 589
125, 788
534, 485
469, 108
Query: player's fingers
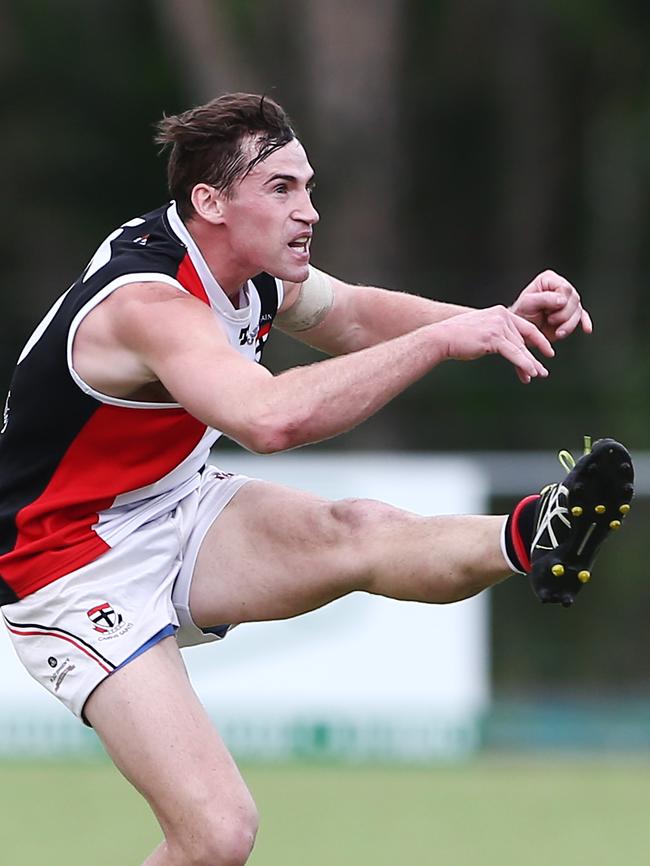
524, 369
524, 361
568, 327
532, 336
532, 303
586, 323
524, 378
567, 311
550, 281
565, 321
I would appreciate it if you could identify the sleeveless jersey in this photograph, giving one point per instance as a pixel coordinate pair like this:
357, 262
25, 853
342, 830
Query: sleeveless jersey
79, 470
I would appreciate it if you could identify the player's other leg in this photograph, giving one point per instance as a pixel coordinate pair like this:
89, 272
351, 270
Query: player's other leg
160, 737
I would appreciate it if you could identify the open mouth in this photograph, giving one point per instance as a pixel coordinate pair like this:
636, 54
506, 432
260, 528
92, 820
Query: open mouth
301, 245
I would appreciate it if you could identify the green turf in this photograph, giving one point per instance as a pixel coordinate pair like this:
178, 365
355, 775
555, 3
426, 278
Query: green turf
493, 812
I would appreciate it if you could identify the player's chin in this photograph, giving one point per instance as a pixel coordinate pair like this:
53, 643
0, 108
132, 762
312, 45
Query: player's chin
290, 272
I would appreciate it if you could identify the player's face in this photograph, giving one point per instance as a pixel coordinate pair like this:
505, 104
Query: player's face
270, 216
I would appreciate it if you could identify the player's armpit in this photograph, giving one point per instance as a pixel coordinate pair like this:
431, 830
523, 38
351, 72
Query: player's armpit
180, 341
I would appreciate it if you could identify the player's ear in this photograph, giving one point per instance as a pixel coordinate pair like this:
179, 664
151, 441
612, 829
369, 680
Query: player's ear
208, 203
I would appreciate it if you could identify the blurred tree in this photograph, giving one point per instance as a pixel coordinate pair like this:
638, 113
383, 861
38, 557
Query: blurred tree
76, 148
199, 36
532, 152
353, 56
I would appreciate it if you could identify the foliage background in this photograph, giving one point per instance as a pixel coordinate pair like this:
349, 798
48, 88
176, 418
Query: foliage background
461, 147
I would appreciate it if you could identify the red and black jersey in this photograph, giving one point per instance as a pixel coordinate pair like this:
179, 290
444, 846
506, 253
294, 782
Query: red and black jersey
80, 469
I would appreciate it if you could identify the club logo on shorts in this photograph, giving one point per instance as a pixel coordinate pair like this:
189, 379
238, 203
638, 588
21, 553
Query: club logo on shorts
104, 617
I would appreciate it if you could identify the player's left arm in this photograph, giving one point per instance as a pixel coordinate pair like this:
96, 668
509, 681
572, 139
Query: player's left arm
337, 317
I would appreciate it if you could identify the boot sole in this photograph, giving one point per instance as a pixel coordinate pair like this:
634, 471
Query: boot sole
600, 489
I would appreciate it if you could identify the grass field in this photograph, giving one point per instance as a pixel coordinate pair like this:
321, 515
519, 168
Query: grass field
491, 812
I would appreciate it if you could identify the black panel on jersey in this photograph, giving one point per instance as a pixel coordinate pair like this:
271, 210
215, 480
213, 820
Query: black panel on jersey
46, 407
7, 595
268, 291
46, 411
149, 247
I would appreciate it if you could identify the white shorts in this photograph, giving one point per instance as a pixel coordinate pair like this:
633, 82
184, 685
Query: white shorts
73, 633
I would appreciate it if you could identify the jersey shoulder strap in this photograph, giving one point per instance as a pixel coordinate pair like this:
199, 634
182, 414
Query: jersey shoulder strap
267, 289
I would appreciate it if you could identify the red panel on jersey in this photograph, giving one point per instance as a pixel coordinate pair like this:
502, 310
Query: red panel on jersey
188, 277
55, 534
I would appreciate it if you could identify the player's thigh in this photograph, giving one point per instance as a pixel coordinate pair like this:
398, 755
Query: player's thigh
160, 737
274, 552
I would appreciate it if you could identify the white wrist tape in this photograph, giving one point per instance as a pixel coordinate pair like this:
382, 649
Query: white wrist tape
313, 303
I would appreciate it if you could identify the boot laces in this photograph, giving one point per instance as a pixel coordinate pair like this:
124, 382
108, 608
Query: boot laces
554, 511
568, 461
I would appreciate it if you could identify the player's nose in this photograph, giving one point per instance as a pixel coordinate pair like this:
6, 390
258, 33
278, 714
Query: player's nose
306, 212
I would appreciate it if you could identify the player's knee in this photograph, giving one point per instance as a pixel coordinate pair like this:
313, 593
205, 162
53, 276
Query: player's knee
230, 845
358, 521
227, 845
222, 839
359, 517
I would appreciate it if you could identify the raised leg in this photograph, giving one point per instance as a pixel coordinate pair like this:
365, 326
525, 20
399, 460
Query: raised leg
275, 553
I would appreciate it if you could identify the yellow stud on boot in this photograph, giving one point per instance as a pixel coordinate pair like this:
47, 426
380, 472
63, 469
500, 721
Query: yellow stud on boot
584, 576
615, 524
624, 509
600, 509
558, 570
576, 511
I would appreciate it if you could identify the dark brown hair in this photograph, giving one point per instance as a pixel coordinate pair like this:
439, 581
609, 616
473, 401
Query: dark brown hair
210, 143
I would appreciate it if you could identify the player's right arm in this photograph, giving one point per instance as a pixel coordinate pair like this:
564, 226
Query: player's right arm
147, 332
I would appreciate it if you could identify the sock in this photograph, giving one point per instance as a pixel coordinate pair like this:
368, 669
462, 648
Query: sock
517, 535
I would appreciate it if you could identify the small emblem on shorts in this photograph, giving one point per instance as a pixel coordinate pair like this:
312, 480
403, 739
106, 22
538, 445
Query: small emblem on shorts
104, 617
56, 679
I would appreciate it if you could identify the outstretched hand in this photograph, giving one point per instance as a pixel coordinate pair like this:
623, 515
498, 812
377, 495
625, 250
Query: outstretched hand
552, 304
496, 331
